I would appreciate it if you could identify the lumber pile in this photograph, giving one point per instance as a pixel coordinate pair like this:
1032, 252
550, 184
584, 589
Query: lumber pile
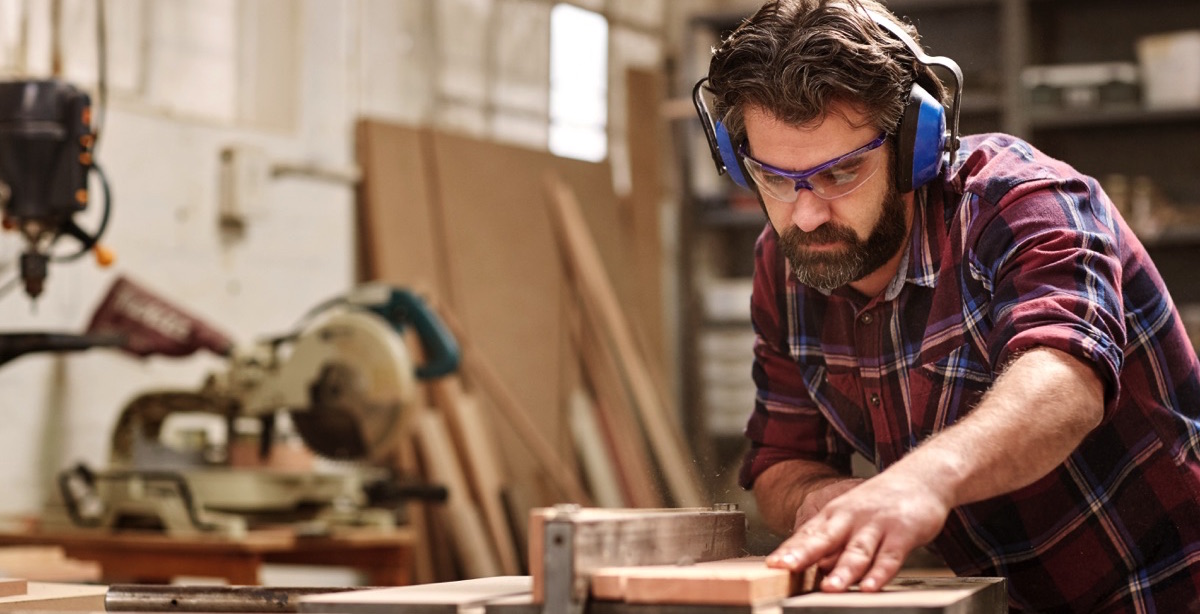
562, 395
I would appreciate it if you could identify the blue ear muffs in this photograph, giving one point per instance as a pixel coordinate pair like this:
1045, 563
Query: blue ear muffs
920, 141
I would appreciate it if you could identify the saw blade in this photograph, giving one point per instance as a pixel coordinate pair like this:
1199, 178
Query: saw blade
347, 383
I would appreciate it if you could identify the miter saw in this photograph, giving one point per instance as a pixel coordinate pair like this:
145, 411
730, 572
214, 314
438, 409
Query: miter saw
344, 383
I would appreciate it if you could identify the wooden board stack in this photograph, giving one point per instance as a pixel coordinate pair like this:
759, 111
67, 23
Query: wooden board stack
560, 322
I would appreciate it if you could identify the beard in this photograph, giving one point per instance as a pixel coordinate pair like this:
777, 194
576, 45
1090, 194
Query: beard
829, 269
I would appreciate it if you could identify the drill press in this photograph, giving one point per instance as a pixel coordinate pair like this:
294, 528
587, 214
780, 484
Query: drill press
46, 145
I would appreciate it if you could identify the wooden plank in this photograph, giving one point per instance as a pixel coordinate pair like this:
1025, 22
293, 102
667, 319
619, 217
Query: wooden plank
745, 581
606, 538
621, 428
665, 434
56, 597
598, 466
483, 464
911, 596
441, 598
471, 543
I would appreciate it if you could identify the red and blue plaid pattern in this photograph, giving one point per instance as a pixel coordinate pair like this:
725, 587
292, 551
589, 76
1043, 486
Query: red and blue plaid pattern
1014, 251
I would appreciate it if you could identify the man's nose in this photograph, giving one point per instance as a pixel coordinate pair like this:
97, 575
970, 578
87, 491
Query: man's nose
809, 211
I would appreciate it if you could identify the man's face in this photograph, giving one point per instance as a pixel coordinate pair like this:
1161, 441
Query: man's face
830, 242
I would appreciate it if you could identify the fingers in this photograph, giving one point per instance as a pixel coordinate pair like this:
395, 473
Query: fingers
814, 542
855, 560
887, 565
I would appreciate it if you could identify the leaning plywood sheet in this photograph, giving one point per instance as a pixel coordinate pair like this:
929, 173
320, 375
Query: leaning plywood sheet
646, 130
397, 208
911, 596
506, 276
746, 581
442, 598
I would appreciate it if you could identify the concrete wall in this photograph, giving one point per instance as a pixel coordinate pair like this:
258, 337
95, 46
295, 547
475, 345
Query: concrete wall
188, 78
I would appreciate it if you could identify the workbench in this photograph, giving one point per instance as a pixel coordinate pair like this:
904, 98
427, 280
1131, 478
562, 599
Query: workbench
384, 556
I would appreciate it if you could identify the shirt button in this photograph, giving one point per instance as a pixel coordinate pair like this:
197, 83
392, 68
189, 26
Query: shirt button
874, 399
866, 318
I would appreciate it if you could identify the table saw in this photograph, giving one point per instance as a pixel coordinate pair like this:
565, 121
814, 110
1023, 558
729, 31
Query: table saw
604, 561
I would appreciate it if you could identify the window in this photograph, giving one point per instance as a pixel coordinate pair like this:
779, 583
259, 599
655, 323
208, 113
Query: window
578, 83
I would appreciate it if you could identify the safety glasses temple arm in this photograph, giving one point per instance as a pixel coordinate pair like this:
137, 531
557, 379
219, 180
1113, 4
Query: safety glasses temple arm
707, 122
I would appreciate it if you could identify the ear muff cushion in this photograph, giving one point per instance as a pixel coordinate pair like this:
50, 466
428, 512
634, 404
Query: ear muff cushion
921, 140
729, 156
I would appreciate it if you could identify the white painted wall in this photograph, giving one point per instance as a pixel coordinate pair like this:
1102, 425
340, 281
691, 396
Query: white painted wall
189, 77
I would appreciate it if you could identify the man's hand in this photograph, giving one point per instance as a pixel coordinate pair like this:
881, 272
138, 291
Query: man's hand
864, 531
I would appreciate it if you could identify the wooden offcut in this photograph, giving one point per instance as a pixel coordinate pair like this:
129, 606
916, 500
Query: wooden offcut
13, 586
746, 581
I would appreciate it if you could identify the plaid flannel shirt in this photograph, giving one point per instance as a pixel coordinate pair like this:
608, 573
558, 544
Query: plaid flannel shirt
1014, 250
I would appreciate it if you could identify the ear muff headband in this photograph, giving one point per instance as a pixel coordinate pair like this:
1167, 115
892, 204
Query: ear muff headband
924, 146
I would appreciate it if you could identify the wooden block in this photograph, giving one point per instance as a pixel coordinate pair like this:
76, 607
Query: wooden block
911, 596
746, 581
441, 598
57, 597
13, 586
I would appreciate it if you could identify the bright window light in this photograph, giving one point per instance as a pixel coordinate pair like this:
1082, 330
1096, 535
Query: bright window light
578, 83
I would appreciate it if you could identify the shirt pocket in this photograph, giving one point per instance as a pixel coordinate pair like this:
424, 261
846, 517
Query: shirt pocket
946, 386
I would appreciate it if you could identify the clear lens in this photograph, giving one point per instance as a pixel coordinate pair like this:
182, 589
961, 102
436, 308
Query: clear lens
840, 180
776, 186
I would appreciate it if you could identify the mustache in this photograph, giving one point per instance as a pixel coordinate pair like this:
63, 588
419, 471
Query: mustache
823, 234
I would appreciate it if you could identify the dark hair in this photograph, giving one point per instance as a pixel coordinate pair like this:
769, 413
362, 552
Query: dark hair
796, 58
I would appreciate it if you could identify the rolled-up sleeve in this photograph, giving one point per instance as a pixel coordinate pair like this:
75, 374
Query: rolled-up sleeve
1056, 275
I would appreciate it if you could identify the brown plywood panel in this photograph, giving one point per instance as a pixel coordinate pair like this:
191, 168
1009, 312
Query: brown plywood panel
646, 134
506, 275
396, 208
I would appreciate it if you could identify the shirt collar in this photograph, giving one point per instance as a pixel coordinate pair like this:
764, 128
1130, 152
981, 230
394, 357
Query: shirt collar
919, 265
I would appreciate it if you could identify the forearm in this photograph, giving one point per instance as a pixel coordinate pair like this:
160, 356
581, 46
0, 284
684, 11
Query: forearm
782, 488
1031, 420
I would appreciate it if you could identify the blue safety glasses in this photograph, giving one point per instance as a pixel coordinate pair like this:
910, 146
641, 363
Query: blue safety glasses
833, 179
